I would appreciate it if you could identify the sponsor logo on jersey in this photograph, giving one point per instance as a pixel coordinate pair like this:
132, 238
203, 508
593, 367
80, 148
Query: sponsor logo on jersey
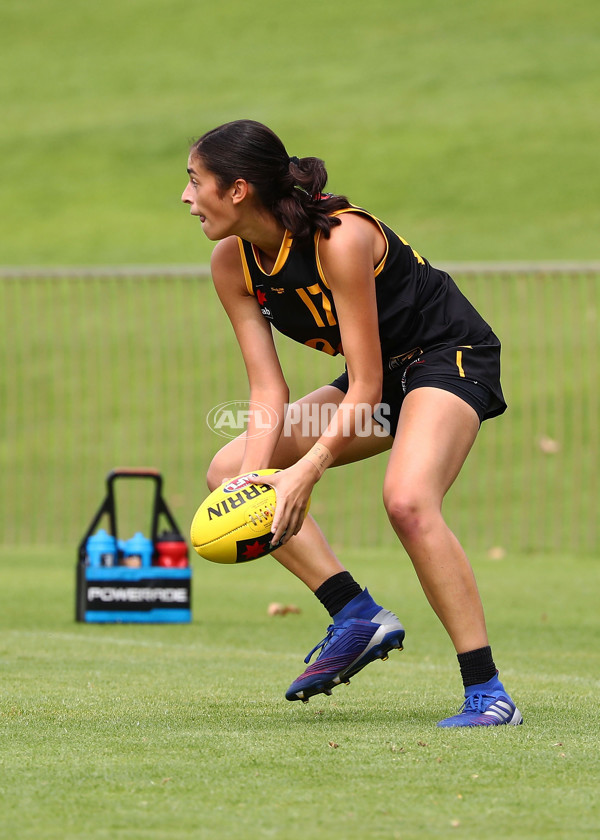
262, 302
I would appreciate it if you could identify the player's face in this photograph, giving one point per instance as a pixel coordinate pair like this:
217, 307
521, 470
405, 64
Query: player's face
214, 208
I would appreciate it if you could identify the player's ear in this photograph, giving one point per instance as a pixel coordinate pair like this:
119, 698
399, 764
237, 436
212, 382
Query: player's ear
239, 190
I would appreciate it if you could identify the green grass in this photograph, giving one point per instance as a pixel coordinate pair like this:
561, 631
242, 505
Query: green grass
473, 130
470, 127
132, 732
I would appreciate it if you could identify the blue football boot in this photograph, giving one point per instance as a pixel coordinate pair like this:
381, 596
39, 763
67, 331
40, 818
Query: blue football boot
486, 704
361, 632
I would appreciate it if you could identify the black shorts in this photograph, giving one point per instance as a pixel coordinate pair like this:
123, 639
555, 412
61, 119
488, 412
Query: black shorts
472, 372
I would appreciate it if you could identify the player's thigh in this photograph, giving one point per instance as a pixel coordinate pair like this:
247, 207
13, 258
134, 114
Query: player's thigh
435, 433
309, 417
306, 420
301, 430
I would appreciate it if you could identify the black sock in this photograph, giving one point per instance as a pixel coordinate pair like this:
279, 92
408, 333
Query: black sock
476, 666
337, 591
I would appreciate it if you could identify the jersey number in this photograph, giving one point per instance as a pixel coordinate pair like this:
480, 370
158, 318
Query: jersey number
320, 317
316, 291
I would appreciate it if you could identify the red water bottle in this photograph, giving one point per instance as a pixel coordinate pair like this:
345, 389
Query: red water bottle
171, 550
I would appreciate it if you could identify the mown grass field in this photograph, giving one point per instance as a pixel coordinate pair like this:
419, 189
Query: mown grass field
472, 128
183, 732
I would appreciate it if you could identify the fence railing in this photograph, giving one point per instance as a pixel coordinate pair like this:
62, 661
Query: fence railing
105, 367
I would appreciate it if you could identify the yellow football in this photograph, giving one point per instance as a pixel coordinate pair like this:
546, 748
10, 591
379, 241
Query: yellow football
233, 523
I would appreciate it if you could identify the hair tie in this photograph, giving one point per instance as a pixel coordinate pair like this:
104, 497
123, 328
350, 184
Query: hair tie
294, 160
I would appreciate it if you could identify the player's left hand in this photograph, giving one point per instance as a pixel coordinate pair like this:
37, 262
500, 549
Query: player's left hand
293, 487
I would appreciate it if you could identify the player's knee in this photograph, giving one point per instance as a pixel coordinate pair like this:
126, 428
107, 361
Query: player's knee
409, 514
212, 476
220, 469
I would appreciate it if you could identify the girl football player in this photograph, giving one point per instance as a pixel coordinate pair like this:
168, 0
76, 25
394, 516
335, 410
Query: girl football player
332, 276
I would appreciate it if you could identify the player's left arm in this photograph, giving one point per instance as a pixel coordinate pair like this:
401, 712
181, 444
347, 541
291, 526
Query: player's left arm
347, 258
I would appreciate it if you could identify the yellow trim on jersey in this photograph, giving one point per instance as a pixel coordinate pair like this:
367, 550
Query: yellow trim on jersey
284, 250
245, 268
359, 211
418, 257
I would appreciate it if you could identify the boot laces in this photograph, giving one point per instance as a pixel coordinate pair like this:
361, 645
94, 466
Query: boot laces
476, 702
332, 631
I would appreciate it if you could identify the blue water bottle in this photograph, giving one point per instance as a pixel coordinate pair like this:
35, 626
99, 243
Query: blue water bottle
138, 551
101, 549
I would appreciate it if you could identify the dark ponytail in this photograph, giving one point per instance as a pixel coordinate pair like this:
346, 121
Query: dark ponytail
290, 188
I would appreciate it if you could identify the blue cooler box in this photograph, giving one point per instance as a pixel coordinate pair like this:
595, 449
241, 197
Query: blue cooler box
142, 596
122, 581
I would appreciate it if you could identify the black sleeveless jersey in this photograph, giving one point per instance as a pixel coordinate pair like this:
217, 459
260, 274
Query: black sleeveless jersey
419, 307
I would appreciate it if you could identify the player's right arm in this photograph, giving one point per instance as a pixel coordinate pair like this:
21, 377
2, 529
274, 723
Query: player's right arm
253, 332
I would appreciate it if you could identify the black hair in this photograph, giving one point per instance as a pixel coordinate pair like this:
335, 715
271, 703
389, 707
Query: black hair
290, 188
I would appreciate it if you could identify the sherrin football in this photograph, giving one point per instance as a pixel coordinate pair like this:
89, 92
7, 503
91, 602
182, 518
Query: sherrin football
233, 523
